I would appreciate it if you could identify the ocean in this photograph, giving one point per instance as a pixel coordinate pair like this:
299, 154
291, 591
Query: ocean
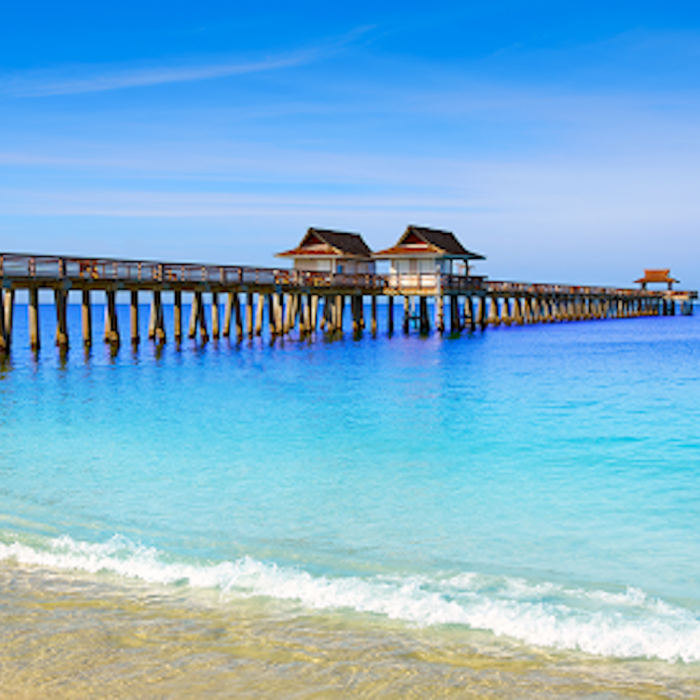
509, 513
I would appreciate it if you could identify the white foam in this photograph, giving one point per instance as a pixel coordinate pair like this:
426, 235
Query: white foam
626, 624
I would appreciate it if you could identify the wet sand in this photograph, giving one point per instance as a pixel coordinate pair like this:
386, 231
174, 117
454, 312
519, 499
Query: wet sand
89, 636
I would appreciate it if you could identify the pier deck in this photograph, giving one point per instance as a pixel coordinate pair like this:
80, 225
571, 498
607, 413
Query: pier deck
291, 300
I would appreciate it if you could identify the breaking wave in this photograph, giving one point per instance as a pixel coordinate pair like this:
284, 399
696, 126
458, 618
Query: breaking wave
628, 624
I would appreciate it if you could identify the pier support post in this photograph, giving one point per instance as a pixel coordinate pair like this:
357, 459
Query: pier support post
33, 317
271, 313
469, 313
152, 319
287, 314
249, 314
177, 316
406, 313
134, 317
390, 315
483, 320
86, 314
4, 344
455, 325
159, 320
61, 301
111, 319
279, 313
228, 314
240, 329
314, 312
323, 324
194, 315
215, 316
423, 314
202, 319
440, 313
373, 327
8, 309
517, 311
340, 305
259, 310
506, 314
494, 319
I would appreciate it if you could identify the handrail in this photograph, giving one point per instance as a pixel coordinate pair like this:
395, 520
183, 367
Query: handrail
47, 267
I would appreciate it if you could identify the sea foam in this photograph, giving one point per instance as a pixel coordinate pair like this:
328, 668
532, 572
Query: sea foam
628, 624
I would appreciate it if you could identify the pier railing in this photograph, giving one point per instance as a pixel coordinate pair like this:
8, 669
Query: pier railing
93, 272
38, 268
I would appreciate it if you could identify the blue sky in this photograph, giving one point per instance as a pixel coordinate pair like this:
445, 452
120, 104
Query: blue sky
561, 140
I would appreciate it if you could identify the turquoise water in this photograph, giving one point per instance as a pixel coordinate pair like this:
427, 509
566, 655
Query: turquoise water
539, 483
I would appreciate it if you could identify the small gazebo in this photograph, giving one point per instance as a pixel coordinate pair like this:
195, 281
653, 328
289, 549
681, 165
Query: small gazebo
422, 250
656, 277
323, 250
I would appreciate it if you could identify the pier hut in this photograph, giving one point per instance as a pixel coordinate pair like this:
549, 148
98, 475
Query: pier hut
421, 257
656, 277
671, 298
323, 250
428, 262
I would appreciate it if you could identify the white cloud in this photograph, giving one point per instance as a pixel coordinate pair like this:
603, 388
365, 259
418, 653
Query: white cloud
43, 84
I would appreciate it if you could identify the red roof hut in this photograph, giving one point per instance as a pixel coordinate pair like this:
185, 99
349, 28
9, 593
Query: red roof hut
322, 250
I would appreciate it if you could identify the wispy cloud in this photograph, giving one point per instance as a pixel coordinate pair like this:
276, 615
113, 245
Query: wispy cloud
100, 78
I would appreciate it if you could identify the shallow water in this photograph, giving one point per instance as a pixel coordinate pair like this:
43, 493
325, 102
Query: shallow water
528, 494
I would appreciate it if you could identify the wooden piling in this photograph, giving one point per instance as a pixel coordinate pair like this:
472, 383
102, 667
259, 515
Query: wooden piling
238, 316
355, 311
373, 326
177, 315
4, 344
111, 319
440, 313
455, 325
271, 313
279, 313
152, 319
424, 320
249, 314
259, 310
8, 309
134, 317
61, 302
228, 315
33, 311
494, 319
194, 315
314, 312
406, 313
340, 311
215, 320
159, 334
202, 320
86, 317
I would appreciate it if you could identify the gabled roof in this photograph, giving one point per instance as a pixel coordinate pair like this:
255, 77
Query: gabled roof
418, 240
323, 242
652, 276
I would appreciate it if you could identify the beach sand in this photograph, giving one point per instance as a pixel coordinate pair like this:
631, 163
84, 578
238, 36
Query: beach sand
66, 636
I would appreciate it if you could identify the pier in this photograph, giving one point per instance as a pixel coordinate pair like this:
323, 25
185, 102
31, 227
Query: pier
243, 302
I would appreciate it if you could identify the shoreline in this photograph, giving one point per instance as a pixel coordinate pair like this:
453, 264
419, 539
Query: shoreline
69, 635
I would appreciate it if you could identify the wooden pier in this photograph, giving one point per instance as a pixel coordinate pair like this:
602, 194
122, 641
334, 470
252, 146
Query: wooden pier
241, 301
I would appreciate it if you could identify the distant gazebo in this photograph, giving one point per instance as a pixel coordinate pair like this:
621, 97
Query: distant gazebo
656, 277
323, 250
